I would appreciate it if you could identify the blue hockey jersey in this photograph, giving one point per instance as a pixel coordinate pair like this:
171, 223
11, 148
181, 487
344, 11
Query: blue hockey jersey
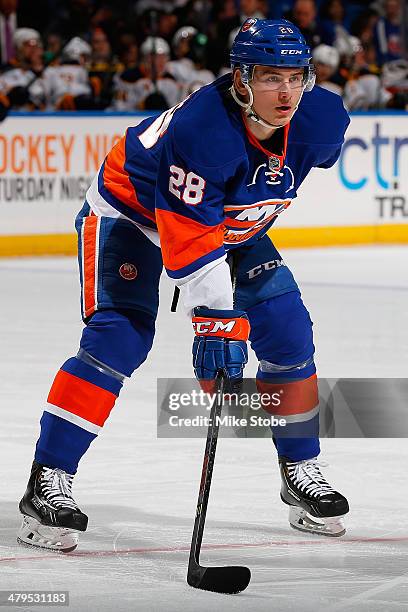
201, 178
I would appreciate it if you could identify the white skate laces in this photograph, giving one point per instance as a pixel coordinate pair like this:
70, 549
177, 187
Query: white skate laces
56, 487
315, 507
307, 477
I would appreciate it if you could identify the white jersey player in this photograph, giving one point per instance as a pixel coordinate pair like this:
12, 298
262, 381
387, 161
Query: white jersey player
71, 77
27, 73
133, 95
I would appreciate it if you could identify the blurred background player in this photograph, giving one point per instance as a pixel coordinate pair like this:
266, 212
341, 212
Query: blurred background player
67, 85
116, 32
182, 66
17, 80
208, 177
326, 61
156, 88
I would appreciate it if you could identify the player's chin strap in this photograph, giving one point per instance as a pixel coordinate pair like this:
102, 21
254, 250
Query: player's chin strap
247, 106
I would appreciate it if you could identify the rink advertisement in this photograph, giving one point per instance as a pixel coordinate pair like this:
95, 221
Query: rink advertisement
48, 161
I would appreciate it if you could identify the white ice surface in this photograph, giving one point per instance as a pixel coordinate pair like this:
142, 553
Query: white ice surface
140, 492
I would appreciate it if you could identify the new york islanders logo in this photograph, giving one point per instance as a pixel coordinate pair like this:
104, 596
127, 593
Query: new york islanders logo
248, 24
243, 222
128, 271
274, 163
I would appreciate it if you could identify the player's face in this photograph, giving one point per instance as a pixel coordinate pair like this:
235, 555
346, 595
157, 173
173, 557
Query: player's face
277, 92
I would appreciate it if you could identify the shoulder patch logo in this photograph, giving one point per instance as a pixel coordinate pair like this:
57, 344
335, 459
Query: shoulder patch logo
128, 271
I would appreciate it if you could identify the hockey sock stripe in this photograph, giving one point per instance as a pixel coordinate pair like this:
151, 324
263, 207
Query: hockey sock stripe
62, 444
73, 418
81, 397
78, 367
296, 397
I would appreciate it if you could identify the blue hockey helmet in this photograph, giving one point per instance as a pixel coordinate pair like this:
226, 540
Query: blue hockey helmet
266, 42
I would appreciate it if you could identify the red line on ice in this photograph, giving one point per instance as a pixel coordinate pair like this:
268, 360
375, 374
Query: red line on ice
126, 551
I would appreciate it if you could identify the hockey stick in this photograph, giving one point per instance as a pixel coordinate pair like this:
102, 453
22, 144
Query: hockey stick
227, 579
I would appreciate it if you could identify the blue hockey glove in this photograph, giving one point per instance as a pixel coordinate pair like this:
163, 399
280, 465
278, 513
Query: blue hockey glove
220, 344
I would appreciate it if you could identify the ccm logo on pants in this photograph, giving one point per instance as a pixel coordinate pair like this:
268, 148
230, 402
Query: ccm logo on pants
269, 265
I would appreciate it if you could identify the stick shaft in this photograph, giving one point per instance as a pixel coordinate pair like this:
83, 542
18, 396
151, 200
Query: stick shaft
206, 473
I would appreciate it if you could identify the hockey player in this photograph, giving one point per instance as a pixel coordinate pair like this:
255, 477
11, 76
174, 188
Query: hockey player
27, 92
209, 177
156, 88
67, 85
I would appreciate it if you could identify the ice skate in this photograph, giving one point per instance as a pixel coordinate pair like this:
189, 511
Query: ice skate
315, 506
51, 517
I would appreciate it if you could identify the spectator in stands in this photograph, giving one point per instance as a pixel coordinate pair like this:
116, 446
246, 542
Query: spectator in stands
128, 56
101, 47
332, 21
326, 60
103, 67
53, 47
19, 83
123, 82
251, 8
225, 18
388, 33
363, 26
8, 26
166, 25
304, 16
74, 19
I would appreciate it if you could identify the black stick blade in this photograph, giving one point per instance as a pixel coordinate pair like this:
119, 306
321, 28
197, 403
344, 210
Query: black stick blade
229, 580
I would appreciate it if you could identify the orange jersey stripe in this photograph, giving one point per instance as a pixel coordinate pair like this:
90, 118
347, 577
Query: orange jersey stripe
296, 397
90, 236
81, 397
183, 240
117, 181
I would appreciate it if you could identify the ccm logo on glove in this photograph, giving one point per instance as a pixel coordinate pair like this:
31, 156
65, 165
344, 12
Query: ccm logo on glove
237, 329
220, 345
234, 329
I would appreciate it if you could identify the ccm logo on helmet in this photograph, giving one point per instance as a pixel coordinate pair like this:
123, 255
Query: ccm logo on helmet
291, 52
212, 327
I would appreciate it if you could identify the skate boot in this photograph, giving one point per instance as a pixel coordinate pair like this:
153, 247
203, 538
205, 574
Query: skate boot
52, 518
314, 505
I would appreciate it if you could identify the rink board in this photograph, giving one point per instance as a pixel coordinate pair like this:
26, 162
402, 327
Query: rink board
48, 160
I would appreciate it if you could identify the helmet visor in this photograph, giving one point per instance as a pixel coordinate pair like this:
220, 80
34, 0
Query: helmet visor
265, 78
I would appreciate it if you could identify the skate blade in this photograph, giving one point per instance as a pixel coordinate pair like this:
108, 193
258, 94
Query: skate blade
56, 539
302, 521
